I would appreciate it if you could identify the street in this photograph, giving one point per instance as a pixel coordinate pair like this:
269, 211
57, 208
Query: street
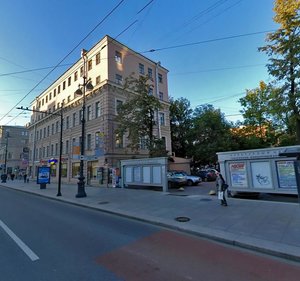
43, 239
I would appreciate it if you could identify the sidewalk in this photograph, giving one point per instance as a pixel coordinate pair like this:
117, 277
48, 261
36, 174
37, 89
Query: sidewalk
268, 227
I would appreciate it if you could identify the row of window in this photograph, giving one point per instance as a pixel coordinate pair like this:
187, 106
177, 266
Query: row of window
68, 81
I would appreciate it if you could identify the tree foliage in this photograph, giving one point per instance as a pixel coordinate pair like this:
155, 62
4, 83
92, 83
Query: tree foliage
180, 122
283, 49
136, 116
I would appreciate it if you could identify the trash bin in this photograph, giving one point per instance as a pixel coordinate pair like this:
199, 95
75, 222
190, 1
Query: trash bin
3, 177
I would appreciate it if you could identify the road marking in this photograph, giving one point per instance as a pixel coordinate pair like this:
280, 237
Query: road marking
19, 242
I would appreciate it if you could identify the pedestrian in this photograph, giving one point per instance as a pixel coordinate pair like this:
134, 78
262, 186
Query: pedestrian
12, 176
221, 186
25, 178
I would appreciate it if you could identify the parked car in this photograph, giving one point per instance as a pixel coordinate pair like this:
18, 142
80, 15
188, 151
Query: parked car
191, 180
207, 174
176, 179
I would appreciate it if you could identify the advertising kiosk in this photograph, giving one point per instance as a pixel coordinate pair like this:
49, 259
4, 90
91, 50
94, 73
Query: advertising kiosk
267, 170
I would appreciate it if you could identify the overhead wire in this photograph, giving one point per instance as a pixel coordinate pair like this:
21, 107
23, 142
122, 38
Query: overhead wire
59, 63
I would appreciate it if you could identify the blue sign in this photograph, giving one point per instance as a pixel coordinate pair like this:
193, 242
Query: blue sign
43, 175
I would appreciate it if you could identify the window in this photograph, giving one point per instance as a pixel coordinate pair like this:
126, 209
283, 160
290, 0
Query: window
52, 150
119, 141
54, 93
119, 79
75, 76
50, 96
141, 68
150, 93
48, 131
118, 57
81, 71
97, 109
56, 149
52, 129
64, 85
58, 89
42, 101
90, 64
46, 99
118, 105
44, 132
69, 99
80, 115
150, 73
56, 127
67, 146
67, 122
98, 80
97, 58
160, 79
89, 142
143, 142
161, 95
47, 152
162, 118
89, 113
69, 81
74, 119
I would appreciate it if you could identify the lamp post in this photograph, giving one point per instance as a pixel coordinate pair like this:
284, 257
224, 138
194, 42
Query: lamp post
5, 156
60, 141
85, 86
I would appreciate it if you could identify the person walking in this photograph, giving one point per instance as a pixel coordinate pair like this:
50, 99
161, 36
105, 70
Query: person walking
221, 189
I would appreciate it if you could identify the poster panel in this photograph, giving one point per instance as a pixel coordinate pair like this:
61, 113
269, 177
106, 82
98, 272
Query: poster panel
146, 174
136, 174
261, 174
128, 174
238, 174
156, 174
286, 174
43, 175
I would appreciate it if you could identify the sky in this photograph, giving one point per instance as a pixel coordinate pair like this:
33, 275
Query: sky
209, 47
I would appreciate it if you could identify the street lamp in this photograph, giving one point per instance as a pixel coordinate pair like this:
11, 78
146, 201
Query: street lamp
5, 156
87, 85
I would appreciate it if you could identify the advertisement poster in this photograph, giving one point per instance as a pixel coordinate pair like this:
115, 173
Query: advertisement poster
286, 174
43, 175
261, 174
238, 174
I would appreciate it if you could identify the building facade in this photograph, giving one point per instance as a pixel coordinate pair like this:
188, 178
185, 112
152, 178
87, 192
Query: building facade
106, 66
14, 149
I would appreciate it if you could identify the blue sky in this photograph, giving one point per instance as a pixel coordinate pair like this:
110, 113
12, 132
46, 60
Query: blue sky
39, 34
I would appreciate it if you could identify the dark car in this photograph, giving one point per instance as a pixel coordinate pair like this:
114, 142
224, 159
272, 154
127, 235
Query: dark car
176, 179
208, 174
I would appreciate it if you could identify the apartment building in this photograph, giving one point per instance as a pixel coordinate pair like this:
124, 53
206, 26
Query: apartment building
14, 150
106, 66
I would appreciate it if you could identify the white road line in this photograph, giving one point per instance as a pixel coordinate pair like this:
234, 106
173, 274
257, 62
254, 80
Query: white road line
19, 242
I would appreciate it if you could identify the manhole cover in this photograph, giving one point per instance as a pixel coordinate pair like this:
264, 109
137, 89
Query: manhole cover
205, 199
182, 219
103, 203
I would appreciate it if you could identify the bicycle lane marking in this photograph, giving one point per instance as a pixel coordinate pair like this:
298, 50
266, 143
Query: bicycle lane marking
19, 242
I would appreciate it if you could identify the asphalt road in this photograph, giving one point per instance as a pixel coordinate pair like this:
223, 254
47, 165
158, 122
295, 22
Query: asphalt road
43, 240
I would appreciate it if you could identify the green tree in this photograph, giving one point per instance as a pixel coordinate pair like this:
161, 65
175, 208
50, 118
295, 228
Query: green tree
136, 116
180, 122
257, 114
283, 49
211, 133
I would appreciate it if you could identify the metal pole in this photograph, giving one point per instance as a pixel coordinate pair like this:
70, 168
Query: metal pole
81, 182
60, 152
5, 157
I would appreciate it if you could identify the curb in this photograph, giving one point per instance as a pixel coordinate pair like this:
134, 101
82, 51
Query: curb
257, 245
